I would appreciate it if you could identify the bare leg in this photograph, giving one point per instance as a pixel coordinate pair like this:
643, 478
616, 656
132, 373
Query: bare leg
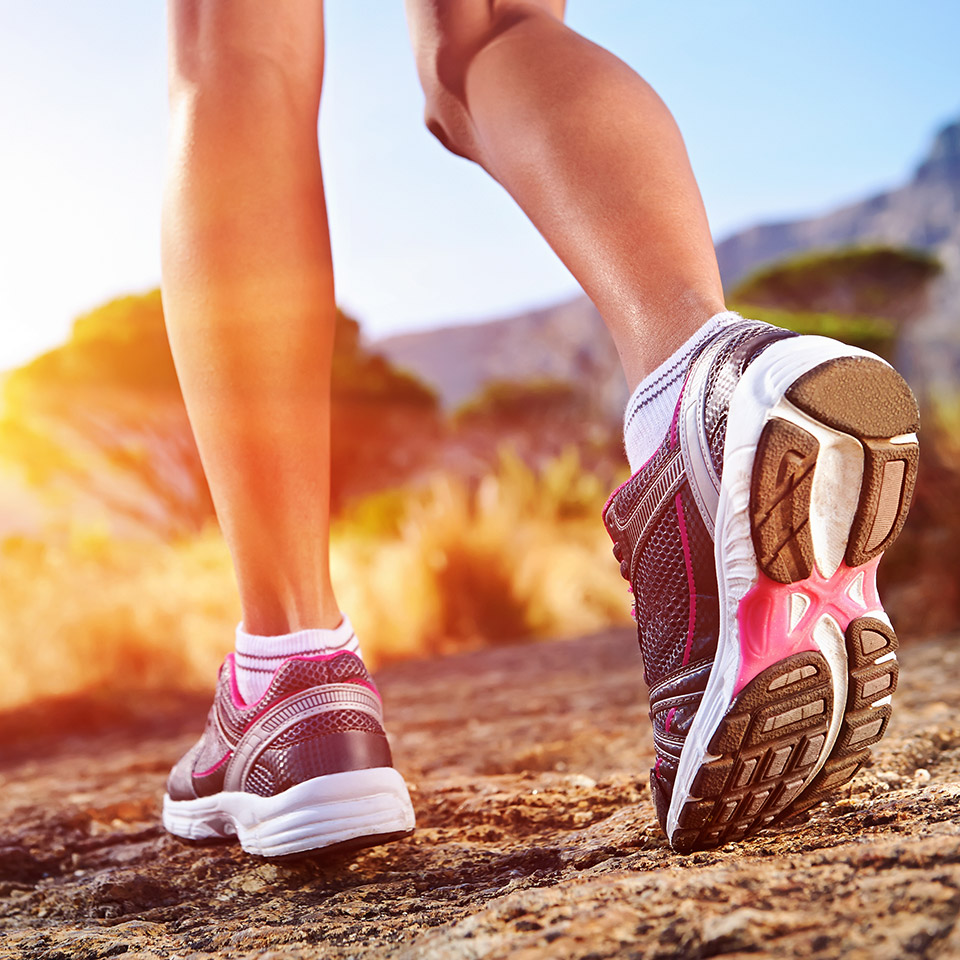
248, 291
590, 153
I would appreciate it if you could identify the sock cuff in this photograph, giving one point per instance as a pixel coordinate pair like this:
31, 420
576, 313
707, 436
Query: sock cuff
253, 649
674, 367
650, 409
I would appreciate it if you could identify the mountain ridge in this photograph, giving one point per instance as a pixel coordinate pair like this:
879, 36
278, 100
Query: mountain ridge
568, 340
923, 213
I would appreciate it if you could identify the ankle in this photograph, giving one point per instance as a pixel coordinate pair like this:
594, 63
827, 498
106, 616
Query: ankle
273, 617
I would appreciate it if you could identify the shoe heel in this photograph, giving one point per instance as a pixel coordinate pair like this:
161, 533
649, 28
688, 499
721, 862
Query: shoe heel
355, 808
869, 400
866, 419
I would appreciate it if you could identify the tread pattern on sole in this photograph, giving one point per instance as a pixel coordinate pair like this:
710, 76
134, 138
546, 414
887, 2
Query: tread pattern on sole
862, 396
780, 501
765, 748
867, 640
771, 739
869, 400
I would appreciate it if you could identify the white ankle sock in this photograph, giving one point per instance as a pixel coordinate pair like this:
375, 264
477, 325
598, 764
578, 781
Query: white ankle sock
650, 409
257, 658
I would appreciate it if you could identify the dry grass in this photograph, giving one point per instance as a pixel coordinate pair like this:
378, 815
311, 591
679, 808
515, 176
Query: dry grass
85, 611
421, 572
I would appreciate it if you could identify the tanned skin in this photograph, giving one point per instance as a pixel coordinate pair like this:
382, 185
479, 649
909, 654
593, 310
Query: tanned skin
578, 139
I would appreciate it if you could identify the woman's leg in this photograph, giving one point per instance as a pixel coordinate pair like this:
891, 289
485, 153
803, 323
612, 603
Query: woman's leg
761, 498
590, 153
248, 291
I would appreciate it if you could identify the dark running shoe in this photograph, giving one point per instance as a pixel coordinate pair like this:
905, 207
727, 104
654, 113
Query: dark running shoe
751, 541
306, 767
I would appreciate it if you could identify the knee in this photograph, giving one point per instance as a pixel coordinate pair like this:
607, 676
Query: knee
447, 40
231, 55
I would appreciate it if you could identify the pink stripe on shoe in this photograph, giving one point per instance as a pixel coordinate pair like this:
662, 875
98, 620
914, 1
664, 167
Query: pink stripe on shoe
676, 412
670, 715
216, 766
691, 584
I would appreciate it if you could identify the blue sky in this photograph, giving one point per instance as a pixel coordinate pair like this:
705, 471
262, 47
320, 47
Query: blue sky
788, 108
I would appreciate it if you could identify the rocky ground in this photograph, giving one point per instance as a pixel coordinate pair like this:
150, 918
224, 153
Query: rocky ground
536, 837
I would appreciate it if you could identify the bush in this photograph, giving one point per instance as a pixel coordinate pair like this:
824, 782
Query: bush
422, 570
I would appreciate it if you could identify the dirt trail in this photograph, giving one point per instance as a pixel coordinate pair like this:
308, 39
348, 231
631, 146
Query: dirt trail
536, 838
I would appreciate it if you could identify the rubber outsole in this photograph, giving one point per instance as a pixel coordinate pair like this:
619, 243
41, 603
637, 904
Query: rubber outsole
785, 744
769, 742
866, 716
765, 748
869, 400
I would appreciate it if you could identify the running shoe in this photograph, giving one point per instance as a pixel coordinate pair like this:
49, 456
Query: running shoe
307, 767
751, 540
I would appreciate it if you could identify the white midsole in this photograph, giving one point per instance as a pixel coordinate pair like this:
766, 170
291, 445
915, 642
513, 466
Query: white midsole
759, 391
308, 816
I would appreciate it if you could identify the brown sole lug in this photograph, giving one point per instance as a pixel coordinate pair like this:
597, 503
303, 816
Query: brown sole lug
889, 479
780, 501
871, 402
767, 746
862, 396
867, 639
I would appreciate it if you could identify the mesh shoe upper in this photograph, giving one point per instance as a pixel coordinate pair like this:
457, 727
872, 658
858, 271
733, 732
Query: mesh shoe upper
318, 716
666, 553
727, 356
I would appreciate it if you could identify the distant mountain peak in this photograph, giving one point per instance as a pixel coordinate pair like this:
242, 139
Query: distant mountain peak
943, 160
923, 213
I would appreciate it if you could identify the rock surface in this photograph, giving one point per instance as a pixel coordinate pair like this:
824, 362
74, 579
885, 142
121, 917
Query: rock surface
536, 838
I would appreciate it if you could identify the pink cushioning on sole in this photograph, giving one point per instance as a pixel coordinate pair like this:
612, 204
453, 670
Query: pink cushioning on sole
764, 617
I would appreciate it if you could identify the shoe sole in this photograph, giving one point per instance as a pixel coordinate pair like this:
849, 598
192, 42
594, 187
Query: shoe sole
338, 811
819, 470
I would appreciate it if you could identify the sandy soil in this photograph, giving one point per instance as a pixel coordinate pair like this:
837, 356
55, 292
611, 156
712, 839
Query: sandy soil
536, 836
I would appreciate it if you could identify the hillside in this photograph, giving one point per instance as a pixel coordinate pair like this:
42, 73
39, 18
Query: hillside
923, 213
96, 428
566, 342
